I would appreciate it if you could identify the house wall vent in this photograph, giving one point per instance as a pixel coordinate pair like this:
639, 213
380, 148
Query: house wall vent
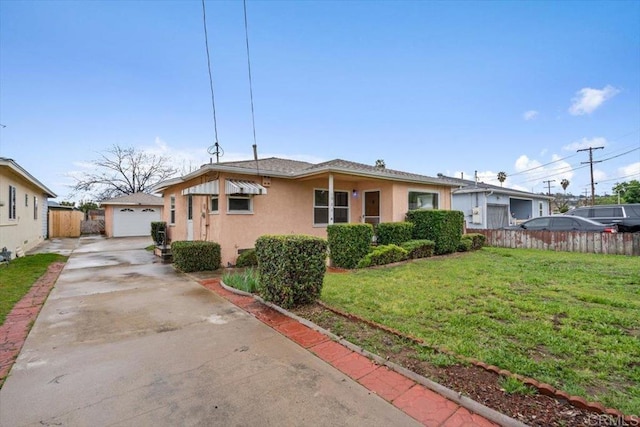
266, 181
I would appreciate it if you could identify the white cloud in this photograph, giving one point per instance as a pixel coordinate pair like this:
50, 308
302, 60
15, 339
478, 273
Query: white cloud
586, 143
599, 175
530, 115
524, 163
587, 99
630, 172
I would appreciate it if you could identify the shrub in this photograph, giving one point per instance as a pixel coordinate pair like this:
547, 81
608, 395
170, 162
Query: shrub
348, 243
394, 232
443, 227
195, 256
246, 281
478, 240
381, 255
291, 268
247, 259
156, 228
465, 244
418, 248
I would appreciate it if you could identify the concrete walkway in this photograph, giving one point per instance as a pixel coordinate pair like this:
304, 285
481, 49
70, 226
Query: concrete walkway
125, 340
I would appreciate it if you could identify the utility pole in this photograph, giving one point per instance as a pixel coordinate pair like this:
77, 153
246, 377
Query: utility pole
591, 162
549, 191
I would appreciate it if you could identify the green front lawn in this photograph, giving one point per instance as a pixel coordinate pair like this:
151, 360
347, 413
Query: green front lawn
568, 319
17, 277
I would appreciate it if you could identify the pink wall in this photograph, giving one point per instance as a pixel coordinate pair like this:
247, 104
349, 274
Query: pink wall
287, 208
108, 220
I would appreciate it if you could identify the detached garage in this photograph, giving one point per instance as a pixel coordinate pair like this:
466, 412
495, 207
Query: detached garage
131, 215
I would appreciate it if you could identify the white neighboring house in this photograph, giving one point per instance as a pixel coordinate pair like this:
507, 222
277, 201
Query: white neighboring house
494, 207
132, 214
23, 208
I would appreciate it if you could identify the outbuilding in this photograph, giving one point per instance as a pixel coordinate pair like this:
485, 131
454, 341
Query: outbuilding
132, 214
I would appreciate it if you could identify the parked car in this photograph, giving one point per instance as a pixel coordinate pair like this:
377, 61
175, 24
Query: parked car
626, 217
564, 223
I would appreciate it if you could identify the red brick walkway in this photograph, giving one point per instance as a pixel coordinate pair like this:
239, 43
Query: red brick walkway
429, 408
16, 326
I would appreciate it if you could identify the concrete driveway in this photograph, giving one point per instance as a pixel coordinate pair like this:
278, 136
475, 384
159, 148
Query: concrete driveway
125, 340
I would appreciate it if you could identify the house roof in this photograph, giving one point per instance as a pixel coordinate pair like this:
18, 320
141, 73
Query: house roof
467, 186
52, 204
294, 169
135, 199
16, 168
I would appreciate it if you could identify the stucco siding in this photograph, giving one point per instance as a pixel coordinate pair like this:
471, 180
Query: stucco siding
287, 208
26, 230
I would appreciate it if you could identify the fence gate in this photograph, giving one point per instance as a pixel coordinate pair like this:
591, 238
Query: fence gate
64, 223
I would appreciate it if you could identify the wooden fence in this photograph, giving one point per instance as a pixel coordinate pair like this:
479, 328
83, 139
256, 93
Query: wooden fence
64, 223
567, 241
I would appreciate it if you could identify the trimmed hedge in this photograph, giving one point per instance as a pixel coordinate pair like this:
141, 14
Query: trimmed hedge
466, 244
195, 255
156, 227
394, 232
247, 259
478, 240
418, 248
348, 243
443, 227
381, 255
291, 268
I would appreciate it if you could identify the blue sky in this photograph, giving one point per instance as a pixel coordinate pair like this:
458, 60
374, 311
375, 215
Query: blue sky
430, 87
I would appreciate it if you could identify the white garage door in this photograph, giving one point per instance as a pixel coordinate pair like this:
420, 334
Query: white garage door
134, 221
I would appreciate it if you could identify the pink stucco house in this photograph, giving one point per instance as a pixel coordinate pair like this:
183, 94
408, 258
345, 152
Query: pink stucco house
234, 203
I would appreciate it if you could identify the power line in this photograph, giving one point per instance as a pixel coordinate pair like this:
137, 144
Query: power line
215, 148
253, 117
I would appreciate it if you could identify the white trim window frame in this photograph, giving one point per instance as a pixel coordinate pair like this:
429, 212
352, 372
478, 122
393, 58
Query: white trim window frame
239, 204
423, 200
172, 209
12, 202
341, 207
214, 204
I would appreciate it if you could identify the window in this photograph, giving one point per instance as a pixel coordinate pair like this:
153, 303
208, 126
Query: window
422, 200
172, 210
239, 204
35, 207
607, 212
12, 202
190, 207
148, 210
26, 200
126, 210
321, 207
540, 209
214, 204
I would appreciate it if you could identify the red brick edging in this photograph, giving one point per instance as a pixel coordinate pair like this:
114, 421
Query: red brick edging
543, 388
16, 326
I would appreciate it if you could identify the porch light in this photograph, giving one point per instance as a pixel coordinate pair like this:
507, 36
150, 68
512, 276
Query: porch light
355, 193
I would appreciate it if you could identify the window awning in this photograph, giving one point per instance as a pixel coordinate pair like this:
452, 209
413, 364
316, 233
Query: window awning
233, 186
208, 188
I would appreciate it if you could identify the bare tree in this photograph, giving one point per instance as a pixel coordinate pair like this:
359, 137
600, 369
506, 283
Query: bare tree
120, 171
502, 177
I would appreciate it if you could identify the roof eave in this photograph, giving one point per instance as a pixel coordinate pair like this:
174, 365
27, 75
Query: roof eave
368, 174
26, 175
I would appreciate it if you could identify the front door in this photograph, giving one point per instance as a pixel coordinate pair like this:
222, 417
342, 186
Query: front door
371, 207
189, 217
